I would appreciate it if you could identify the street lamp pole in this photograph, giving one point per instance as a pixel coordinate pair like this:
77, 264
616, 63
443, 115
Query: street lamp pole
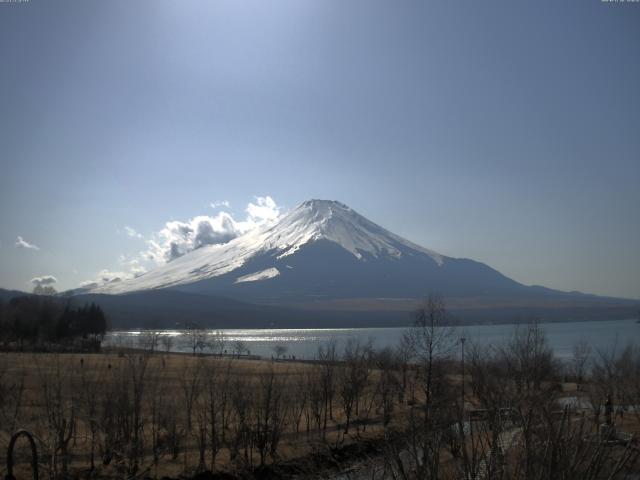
462, 340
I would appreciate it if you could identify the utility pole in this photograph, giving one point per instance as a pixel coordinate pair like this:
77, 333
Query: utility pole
462, 340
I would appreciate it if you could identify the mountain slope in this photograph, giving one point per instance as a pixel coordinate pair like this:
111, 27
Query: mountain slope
322, 251
320, 248
312, 221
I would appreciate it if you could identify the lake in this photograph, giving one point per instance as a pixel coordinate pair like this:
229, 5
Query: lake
303, 343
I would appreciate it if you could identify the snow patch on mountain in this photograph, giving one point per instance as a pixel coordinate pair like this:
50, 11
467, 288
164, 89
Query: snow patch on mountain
261, 275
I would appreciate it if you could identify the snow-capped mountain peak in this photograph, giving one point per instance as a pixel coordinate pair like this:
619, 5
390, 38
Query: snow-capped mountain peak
309, 222
336, 222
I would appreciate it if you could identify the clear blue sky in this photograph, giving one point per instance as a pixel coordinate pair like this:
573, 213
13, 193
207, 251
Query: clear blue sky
503, 131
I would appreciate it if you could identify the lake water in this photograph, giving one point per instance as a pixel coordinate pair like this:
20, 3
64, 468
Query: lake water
303, 343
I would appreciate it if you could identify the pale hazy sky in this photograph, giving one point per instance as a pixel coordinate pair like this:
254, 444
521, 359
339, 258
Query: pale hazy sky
503, 131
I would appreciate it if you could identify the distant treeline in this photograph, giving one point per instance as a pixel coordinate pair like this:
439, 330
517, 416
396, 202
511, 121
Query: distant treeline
39, 322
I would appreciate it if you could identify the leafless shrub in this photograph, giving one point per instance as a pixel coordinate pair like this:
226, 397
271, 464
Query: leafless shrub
11, 396
353, 376
149, 340
389, 385
239, 436
122, 418
528, 357
327, 359
191, 388
216, 342
139, 408
269, 414
280, 350
299, 400
313, 411
196, 339
215, 406
166, 341
404, 353
615, 375
239, 347
417, 451
580, 360
88, 385
58, 419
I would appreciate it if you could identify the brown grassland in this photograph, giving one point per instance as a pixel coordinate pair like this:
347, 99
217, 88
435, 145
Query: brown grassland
44, 391
408, 413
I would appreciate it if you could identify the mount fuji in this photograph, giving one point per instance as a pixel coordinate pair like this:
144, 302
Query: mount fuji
323, 251
323, 264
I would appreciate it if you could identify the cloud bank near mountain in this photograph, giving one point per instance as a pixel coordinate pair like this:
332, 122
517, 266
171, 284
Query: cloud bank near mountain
179, 237
44, 285
44, 280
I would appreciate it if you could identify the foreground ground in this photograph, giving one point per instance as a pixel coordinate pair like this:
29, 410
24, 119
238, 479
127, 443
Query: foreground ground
141, 414
178, 405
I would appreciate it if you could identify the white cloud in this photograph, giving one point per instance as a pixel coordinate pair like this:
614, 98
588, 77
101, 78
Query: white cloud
132, 269
264, 209
44, 280
221, 203
44, 285
178, 237
108, 276
22, 243
131, 232
133, 266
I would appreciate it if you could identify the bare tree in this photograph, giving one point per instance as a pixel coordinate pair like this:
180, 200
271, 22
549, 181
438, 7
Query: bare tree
159, 408
299, 396
167, 342
215, 405
239, 347
89, 388
279, 350
59, 416
12, 388
216, 342
149, 340
629, 368
580, 360
352, 377
615, 375
191, 386
315, 387
604, 380
432, 341
203, 422
196, 338
528, 357
270, 413
327, 358
137, 369
389, 385
240, 431
404, 354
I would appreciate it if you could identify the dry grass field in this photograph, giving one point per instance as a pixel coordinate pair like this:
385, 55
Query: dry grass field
171, 407
131, 413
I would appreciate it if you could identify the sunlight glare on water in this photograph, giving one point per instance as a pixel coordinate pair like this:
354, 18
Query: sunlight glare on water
303, 343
